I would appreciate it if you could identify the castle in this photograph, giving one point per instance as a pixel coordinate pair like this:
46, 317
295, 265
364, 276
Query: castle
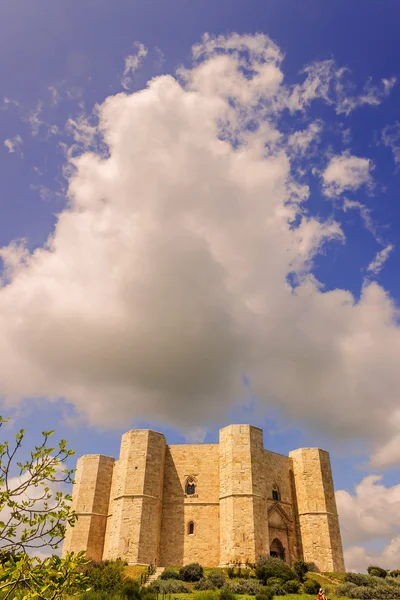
216, 504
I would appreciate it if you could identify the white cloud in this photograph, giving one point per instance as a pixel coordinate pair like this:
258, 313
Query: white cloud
391, 138
165, 280
372, 512
381, 257
300, 141
12, 144
358, 559
387, 455
346, 172
132, 64
324, 80
33, 119
366, 217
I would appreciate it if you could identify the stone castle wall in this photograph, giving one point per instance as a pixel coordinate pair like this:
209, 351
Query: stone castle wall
178, 546
136, 508
317, 512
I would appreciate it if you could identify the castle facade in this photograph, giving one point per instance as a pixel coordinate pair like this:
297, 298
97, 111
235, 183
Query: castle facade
216, 504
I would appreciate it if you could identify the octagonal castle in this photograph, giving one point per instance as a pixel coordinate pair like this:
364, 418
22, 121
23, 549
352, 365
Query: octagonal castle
216, 504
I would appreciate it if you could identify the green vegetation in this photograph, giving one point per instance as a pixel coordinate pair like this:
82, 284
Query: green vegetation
277, 580
34, 516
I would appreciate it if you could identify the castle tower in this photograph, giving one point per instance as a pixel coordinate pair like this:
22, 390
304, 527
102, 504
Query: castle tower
135, 521
243, 507
90, 498
317, 512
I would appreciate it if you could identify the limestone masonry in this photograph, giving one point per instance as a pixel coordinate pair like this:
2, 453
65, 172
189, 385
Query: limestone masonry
216, 504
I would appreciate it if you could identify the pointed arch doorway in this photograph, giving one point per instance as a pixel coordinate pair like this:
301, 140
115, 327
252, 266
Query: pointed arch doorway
277, 550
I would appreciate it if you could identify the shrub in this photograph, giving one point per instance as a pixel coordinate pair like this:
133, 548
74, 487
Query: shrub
217, 578
131, 590
169, 573
274, 581
266, 594
301, 568
268, 566
310, 586
192, 572
377, 571
344, 588
292, 586
226, 594
395, 573
170, 586
105, 576
231, 572
277, 589
357, 578
249, 587
204, 584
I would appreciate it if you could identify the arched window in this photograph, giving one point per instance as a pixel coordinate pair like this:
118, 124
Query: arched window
277, 550
275, 493
190, 528
190, 487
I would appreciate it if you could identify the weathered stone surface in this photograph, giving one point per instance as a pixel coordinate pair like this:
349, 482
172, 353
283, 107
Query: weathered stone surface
137, 508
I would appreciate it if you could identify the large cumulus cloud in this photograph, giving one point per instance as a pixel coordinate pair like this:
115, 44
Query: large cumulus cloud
166, 278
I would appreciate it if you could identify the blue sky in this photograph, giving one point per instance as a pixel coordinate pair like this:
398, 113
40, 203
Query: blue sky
337, 388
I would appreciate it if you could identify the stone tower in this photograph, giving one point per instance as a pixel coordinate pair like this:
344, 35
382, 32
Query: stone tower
217, 504
135, 507
90, 501
243, 508
317, 513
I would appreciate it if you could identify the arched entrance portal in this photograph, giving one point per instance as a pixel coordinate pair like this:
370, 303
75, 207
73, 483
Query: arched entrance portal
277, 549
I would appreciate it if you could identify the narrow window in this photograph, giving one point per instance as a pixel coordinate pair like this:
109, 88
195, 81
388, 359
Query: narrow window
191, 528
190, 487
275, 493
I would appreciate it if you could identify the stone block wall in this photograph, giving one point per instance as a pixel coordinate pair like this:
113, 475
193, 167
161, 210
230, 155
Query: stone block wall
243, 523
178, 546
90, 500
317, 512
136, 505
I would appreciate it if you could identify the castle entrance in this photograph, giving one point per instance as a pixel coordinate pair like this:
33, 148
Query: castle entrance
277, 550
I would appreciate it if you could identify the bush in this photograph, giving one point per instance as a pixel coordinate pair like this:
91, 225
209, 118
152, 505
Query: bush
377, 571
379, 590
131, 590
226, 594
266, 594
192, 572
204, 584
105, 576
249, 587
310, 586
395, 573
277, 589
357, 578
268, 566
292, 586
345, 588
217, 578
231, 572
274, 581
170, 586
301, 568
169, 574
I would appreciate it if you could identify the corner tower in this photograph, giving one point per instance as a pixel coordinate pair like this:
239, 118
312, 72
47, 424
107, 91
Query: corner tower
136, 506
243, 507
90, 499
317, 512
